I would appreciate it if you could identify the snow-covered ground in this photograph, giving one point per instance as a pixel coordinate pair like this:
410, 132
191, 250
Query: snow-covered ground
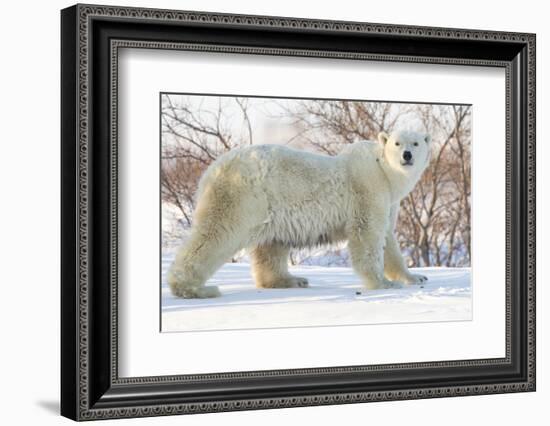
334, 297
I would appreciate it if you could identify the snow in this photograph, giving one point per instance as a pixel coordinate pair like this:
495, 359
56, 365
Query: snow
334, 297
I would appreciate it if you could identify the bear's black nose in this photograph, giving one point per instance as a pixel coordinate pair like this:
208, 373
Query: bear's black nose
407, 156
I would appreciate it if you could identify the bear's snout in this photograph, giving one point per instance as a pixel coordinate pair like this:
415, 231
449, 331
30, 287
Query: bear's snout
407, 156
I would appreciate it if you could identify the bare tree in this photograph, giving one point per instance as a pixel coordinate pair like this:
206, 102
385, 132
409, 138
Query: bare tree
329, 125
435, 217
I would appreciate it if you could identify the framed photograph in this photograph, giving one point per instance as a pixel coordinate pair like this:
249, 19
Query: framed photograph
263, 212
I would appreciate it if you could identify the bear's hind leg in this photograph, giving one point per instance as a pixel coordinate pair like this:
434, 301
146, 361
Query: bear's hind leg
197, 261
224, 219
270, 268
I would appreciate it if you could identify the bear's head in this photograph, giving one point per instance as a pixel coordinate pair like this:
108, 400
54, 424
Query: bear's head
407, 152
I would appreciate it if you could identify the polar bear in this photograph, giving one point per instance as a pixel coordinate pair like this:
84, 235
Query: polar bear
271, 198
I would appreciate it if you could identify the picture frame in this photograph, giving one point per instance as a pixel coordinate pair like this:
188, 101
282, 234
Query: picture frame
91, 37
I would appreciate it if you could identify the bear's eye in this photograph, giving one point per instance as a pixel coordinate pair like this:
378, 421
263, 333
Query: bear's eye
396, 143
416, 144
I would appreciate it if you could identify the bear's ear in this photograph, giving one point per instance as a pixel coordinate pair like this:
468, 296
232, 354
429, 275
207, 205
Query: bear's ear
383, 138
428, 139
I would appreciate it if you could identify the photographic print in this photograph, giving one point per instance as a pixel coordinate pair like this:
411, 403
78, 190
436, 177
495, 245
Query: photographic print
216, 192
285, 212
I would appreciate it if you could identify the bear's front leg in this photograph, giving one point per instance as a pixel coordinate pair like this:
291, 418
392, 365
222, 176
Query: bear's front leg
394, 264
366, 246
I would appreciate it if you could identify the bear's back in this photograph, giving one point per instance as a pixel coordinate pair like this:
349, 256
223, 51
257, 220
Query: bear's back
277, 167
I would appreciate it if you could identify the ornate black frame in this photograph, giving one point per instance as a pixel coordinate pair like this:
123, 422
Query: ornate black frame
91, 37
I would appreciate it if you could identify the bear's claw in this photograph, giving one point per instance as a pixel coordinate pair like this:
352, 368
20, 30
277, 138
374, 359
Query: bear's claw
301, 282
206, 292
285, 282
417, 279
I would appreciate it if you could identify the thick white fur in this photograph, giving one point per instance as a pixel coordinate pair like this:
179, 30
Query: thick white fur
269, 198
